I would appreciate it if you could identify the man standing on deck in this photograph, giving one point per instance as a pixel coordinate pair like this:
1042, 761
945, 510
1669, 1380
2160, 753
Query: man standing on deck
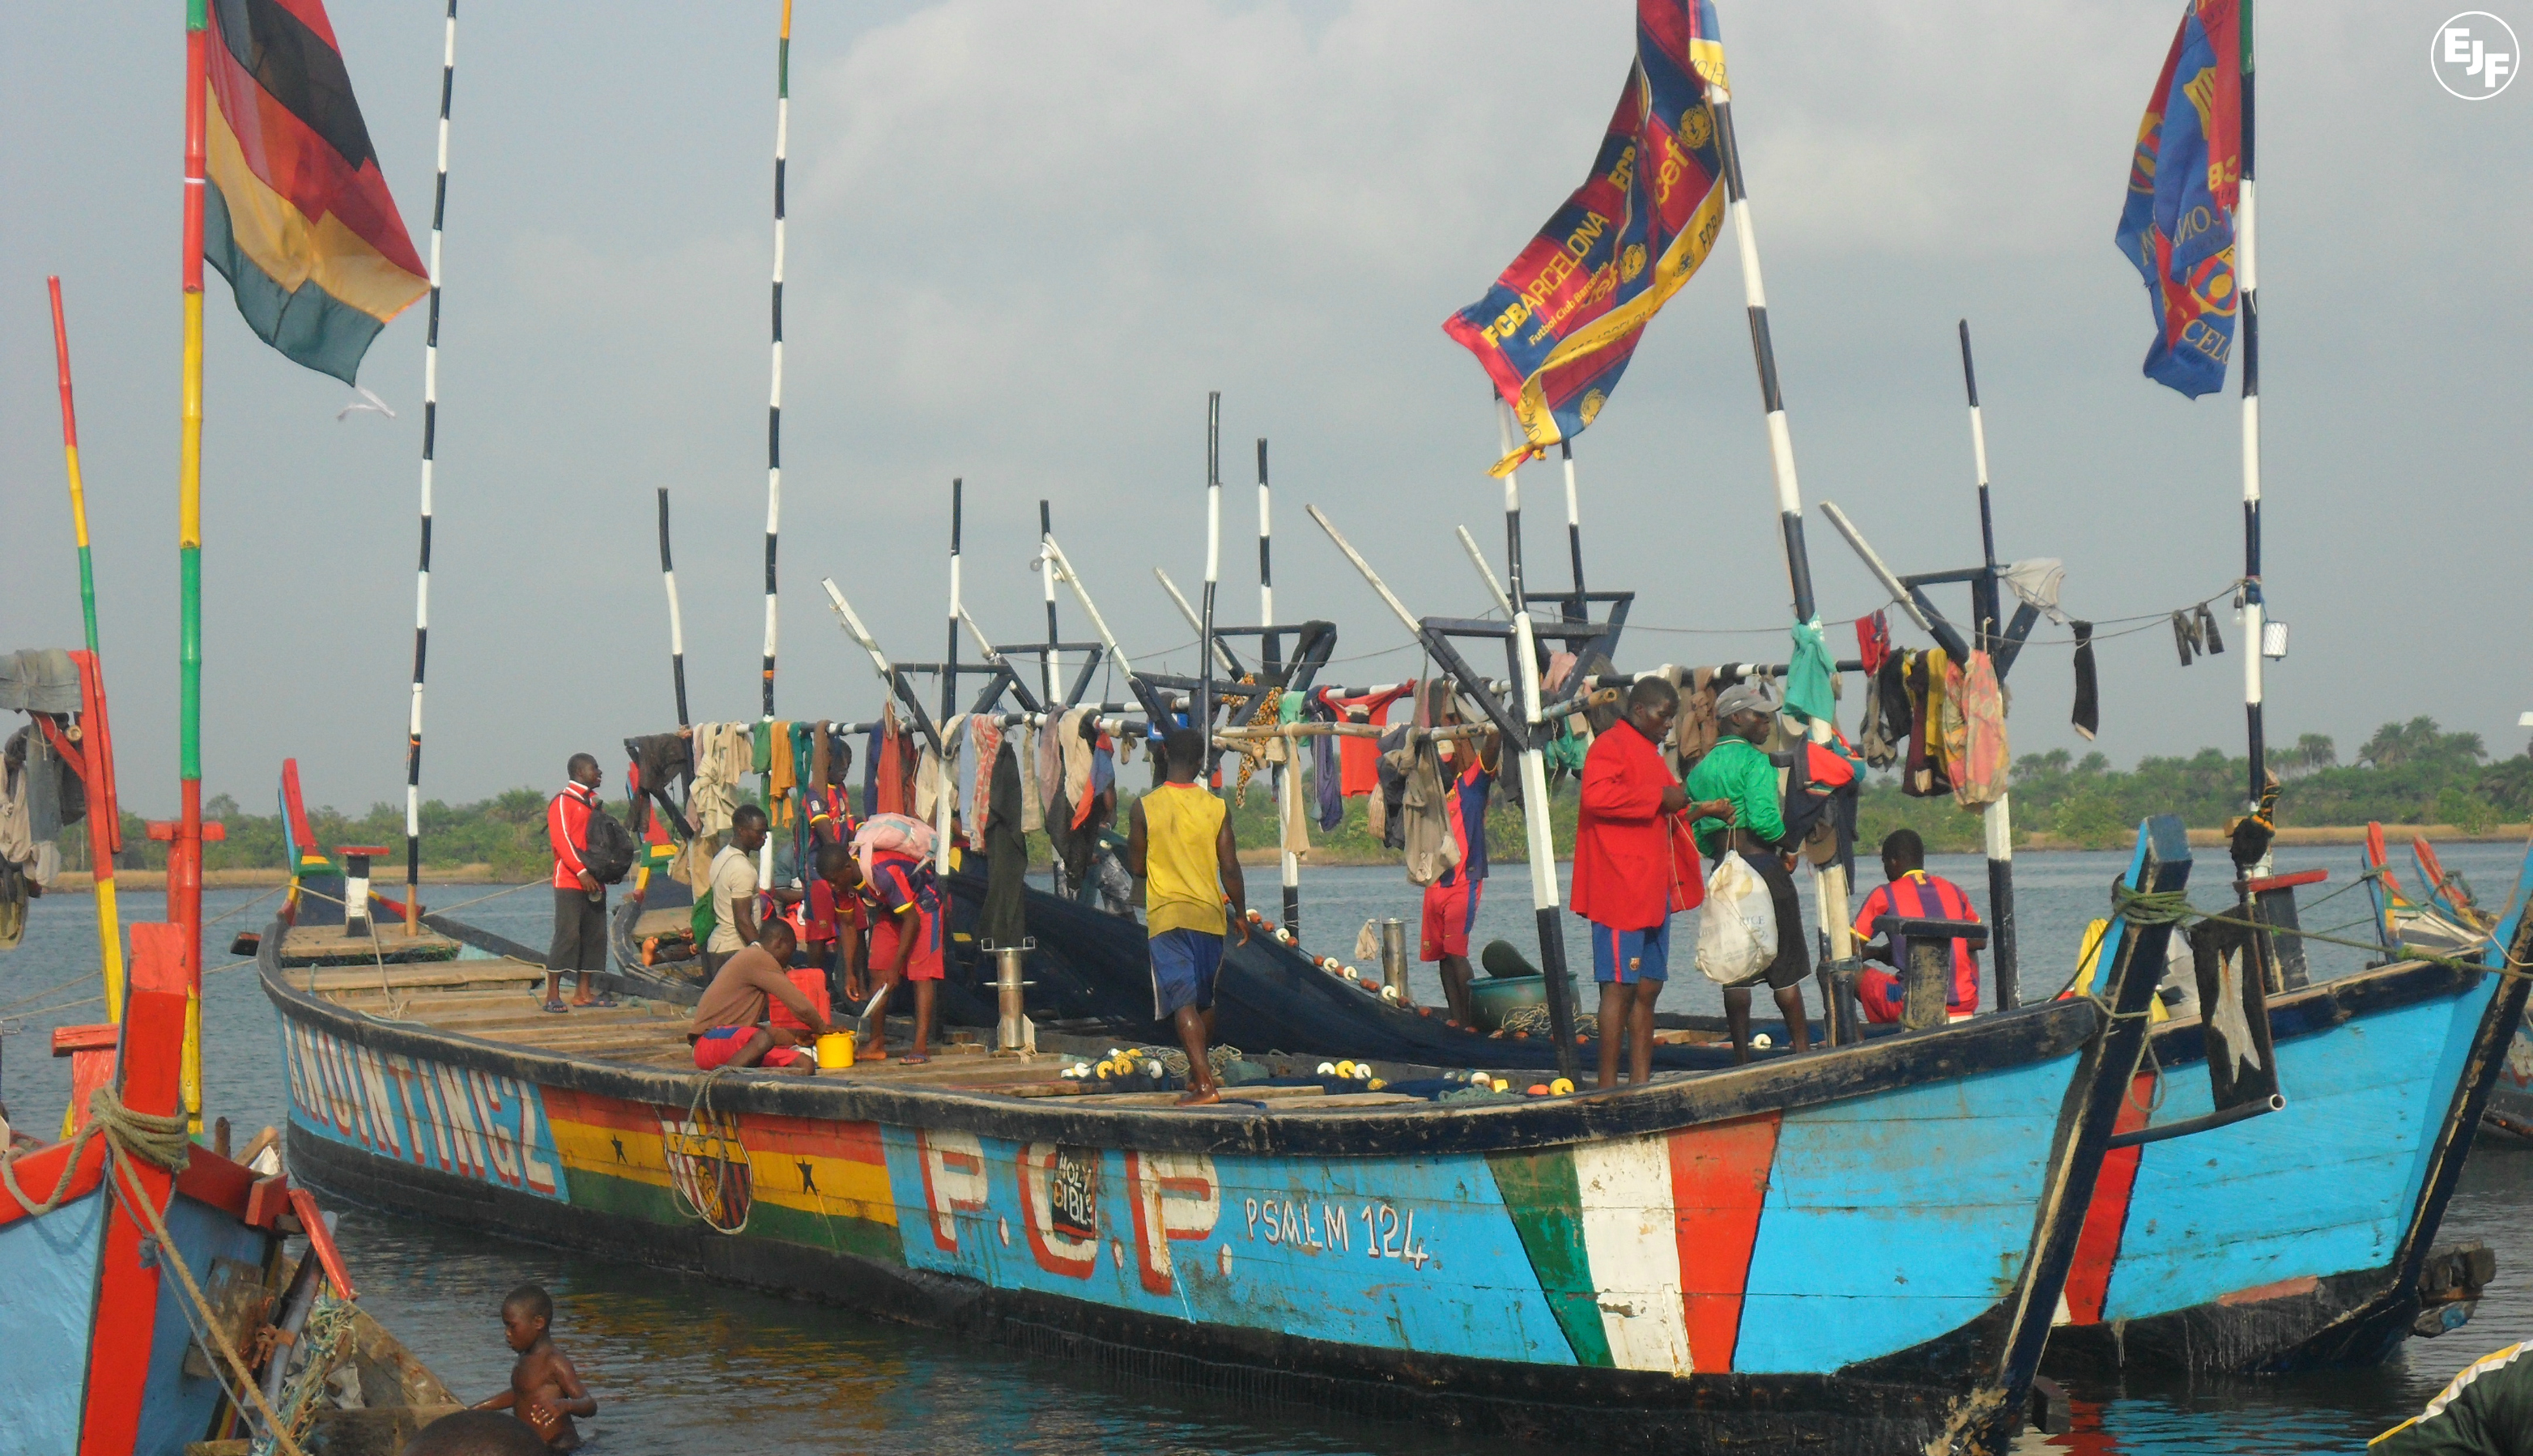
1632, 870
1915, 895
1451, 901
1738, 770
580, 901
732, 884
1181, 846
904, 901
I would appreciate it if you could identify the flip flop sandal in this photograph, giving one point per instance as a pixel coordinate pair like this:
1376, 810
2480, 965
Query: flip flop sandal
603, 1003
912, 1059
557, 1008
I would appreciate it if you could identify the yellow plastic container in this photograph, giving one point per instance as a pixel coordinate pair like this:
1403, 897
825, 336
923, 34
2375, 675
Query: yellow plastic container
834, 1051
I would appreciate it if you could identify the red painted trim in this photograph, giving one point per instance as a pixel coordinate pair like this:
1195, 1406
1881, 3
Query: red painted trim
1719, 1181
37, 1170
97, 1039
2097, 1244
214, 1180
90, 1070
127, 1295
2284, 882
2281, 1289
313, 1221
97, 734
267, 1199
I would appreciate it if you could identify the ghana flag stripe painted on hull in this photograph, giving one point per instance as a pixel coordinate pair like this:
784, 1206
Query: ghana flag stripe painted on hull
299, 218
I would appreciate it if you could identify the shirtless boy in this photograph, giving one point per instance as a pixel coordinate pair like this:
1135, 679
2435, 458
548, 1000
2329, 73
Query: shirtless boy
544, 1389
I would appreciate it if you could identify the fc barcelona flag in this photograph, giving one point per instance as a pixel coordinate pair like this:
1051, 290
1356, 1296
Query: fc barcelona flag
2185, 178
297, 217
1557, 329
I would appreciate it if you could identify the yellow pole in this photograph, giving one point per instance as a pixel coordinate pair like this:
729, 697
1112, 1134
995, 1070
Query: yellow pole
109, 931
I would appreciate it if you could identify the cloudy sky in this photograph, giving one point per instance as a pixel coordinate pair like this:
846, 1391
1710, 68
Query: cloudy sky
1025, 239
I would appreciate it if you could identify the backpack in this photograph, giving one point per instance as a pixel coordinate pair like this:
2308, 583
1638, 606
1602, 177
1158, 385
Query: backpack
902, 832
701, 920
609, 848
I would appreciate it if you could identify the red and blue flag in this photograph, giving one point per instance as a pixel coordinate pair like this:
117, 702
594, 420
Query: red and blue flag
2184, 180
1558, 327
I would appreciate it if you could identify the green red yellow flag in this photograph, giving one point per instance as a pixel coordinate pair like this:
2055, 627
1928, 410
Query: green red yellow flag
297, 215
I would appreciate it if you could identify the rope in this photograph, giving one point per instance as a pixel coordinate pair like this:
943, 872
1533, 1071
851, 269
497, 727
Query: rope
2144, 908
324, 1334
132, 1135
160, 1142
698, 1108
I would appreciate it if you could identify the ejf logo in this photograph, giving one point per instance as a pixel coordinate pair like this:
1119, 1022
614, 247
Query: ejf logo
2474, 55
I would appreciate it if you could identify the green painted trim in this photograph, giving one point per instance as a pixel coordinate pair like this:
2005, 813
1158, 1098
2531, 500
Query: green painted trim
782, 70
851, 1238
87, 599
188, 650
1546, 1201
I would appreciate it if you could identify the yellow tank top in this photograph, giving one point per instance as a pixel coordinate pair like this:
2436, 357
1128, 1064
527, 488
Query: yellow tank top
1182, 880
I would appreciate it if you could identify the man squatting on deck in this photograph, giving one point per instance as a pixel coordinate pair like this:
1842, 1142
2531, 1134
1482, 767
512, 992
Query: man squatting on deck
580, 902
731, 1025
1740, 770
1633, 867
1181, 846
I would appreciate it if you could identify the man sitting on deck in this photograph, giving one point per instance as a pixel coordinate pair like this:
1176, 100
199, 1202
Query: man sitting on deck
1181, 846
729, 1026
1913, 894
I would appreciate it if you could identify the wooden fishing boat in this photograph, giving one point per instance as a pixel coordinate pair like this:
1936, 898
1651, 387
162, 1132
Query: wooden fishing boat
143, 1280
2302, 1240
1854, 1251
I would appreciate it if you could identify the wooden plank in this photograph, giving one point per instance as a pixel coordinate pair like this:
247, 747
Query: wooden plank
408, 978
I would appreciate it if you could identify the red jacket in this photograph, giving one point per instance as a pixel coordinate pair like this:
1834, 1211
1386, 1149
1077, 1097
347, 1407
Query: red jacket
567, 830
1634, 864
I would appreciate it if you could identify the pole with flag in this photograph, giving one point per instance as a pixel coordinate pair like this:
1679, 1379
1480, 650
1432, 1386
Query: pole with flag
430, 436
101, 837
185, 854
2188, 228
2247, 265
1573, 528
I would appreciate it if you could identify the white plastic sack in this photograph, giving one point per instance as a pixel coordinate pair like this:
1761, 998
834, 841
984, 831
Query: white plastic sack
1736, 930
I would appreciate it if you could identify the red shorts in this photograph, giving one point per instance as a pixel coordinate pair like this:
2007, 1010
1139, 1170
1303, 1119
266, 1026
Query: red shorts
926, 962
716, 1047
1449, 911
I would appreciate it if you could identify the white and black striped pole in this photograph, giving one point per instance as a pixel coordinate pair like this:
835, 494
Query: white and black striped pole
1574, 529
773, 403
1201, 716
774, 398
1051, 668
1997, 820
1288, 775
676, 623
950, 654
1780, 439
2248, 276
429, 433
1270, 650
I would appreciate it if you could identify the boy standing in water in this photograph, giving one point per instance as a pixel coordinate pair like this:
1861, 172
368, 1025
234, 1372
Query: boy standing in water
1181, 848
544, 1389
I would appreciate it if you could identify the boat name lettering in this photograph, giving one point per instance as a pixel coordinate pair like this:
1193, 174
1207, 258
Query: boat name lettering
1329, 1228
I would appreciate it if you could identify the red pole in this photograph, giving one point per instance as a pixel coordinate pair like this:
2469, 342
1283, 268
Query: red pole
185, 859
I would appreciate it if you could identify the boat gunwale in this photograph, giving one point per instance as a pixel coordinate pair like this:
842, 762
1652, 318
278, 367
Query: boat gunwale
2325, 1006
1988, 1044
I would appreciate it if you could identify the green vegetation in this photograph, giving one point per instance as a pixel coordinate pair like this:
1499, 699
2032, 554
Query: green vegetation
2407, 773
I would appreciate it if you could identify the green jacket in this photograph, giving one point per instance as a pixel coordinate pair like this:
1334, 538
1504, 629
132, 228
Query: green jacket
2485, 1411
1737, 770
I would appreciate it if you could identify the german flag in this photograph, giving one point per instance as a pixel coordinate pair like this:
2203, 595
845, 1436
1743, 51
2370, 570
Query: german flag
297, 217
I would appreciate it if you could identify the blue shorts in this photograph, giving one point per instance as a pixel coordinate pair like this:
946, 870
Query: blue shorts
1184, 962
1623, 957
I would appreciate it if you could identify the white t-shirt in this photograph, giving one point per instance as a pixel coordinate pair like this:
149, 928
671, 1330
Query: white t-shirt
732, 879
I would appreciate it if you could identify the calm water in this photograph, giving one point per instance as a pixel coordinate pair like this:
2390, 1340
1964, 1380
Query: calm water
681, 1363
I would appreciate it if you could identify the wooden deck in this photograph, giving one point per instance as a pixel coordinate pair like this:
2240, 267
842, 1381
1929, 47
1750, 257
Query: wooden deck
327, 945
502, 1000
